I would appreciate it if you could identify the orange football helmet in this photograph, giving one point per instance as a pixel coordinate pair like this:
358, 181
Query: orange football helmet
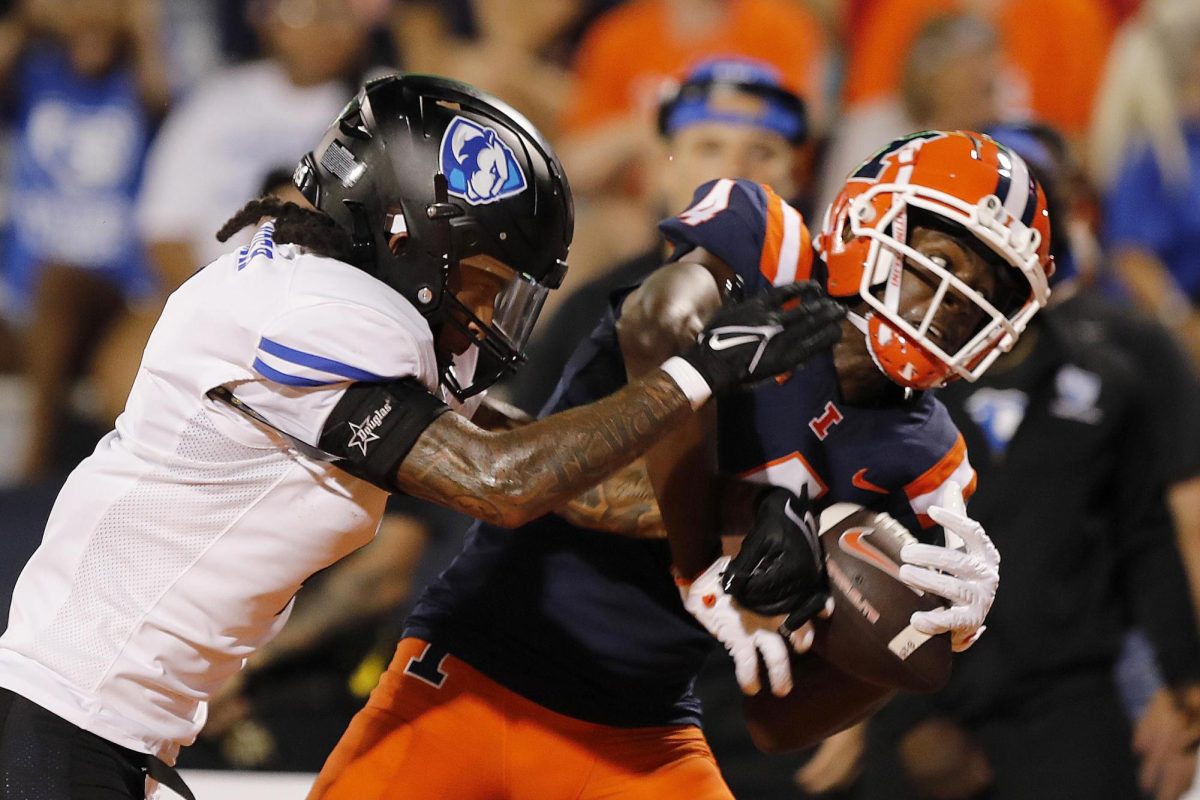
959, 181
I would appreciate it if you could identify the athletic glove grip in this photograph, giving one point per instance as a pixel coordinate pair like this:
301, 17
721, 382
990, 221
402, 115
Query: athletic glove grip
780, 566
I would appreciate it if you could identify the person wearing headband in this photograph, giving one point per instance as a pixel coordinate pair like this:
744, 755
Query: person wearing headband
726, 117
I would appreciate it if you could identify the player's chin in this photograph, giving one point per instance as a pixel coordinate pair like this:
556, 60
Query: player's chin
453, 341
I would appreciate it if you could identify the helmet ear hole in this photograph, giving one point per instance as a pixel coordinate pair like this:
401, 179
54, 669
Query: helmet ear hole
847, 233
396, 227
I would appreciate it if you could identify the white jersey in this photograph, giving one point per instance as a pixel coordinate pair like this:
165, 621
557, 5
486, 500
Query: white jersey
174, 551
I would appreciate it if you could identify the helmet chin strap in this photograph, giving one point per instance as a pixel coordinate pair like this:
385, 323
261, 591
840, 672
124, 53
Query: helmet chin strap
858, 321
492, 351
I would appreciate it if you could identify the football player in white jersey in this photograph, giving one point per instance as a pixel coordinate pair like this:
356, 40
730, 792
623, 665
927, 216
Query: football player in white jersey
288, 387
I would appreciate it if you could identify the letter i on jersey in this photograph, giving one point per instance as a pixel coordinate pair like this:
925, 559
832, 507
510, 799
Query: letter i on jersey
821, 424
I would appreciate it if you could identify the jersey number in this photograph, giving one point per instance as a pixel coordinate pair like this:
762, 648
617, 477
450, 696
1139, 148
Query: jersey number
427, 667
792, 472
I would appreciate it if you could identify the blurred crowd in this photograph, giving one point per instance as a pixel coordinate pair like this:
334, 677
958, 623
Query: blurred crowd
131, 129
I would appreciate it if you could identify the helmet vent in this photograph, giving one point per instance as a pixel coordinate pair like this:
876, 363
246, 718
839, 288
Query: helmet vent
450, 104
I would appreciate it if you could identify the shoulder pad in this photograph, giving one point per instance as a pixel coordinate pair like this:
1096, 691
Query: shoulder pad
749, 227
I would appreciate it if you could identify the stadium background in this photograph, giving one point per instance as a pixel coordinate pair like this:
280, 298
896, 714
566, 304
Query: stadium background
131, 129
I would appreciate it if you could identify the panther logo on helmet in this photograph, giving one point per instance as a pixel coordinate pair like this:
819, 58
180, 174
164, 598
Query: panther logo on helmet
479, 167
959, 181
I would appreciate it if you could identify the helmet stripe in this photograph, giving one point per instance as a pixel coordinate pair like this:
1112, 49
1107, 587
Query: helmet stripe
1003, 184
1016, 197
1030, 203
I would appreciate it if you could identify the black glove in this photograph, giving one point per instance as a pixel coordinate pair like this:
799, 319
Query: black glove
780, 568
756, 339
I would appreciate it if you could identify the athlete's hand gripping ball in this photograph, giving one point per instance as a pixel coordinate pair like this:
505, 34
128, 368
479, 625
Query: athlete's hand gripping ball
966, 575
746, 635
780, 568
766, 335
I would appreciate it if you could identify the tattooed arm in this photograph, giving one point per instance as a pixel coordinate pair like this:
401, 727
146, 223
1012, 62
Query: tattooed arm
623, 504
511, 477
657, 320
496, 415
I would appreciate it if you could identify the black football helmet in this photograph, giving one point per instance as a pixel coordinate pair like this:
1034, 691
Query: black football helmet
424, 171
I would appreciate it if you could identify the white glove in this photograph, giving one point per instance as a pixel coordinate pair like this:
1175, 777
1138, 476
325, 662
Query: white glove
967, 576
746, 635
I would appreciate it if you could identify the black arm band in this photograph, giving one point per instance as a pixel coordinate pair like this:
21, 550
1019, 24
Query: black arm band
374, 425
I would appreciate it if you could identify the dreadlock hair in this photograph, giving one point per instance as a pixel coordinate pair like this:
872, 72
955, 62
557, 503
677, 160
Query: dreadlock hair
294, 225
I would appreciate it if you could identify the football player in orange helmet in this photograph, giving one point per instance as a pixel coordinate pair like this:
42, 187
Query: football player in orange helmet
939, 246
565, 663
926, 321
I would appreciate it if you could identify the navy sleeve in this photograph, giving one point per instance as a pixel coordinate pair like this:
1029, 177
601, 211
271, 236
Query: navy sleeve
749, 227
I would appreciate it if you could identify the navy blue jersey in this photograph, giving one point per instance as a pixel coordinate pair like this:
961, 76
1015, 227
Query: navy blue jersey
590, 624
893, 458
586, 624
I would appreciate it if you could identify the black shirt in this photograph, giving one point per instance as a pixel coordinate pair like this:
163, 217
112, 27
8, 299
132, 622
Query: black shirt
1068, 435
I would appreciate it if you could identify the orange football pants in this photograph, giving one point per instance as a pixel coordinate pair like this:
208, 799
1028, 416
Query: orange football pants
436, 729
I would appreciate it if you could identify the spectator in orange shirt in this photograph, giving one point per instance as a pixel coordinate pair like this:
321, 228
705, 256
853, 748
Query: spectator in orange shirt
667, 36
625, 61
1054, 49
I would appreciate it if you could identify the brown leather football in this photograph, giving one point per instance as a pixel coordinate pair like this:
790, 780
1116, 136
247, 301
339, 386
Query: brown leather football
869, 634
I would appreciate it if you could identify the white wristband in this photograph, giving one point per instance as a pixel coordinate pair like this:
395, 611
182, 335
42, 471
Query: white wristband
688, 379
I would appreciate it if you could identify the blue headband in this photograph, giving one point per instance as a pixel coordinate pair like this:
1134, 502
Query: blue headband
775, 108
773, 117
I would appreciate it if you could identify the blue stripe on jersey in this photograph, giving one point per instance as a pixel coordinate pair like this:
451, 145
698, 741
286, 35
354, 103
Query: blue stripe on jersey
268, 371
318, 362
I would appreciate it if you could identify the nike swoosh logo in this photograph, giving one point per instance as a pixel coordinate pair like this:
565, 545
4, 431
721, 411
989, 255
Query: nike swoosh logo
806, 524
729, 336
717, 343
733, 335
860, 480
854, 541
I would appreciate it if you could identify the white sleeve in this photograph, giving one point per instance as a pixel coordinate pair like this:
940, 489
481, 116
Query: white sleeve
308, 356
335, 342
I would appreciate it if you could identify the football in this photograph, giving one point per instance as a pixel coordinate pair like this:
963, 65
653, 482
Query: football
869, 634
